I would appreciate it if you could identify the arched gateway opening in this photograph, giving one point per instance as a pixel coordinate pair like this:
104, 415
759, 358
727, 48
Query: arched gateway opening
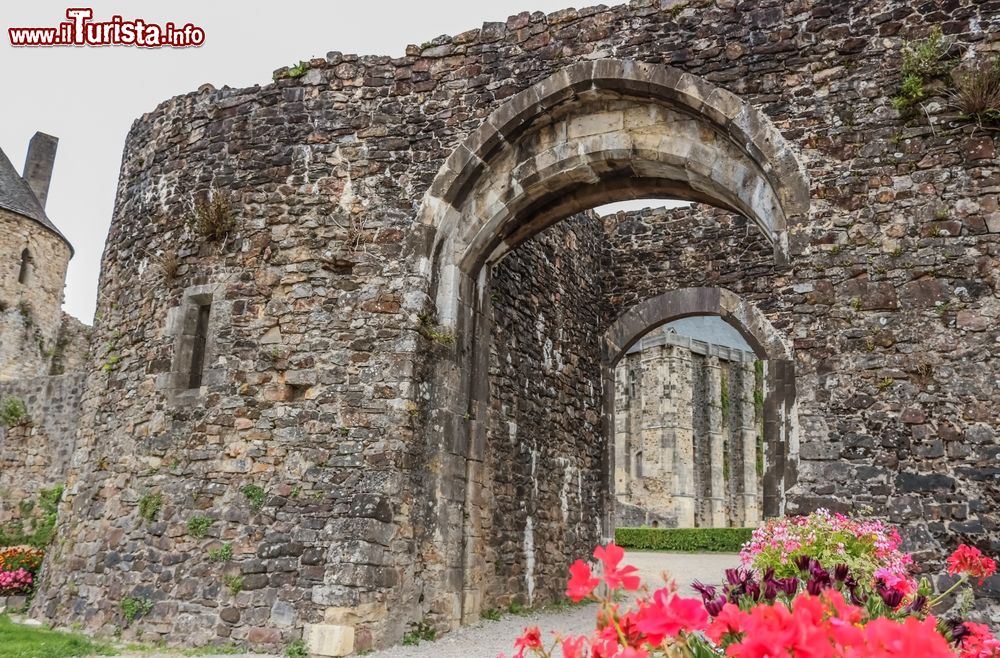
698, 498
593, 133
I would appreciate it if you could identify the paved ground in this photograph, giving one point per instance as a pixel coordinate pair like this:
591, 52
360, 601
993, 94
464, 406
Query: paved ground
488, 639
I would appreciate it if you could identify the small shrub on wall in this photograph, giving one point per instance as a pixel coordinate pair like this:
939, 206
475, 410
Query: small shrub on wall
12, 412
37, 524
688, 540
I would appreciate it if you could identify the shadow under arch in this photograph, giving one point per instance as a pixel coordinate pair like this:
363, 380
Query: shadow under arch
780, 426
592, 133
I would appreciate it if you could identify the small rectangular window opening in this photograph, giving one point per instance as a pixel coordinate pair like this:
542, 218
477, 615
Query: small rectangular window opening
198, 348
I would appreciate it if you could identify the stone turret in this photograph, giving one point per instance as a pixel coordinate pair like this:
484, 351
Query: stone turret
34, 255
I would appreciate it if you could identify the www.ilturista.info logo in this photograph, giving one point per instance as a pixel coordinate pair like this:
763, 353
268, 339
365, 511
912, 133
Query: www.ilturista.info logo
80, 30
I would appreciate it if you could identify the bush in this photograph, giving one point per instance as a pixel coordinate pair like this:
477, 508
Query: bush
12, 412
255, 494
689, 540
922, 61
37, 524
135, 607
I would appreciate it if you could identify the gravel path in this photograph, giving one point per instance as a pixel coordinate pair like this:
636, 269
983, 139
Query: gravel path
488, 639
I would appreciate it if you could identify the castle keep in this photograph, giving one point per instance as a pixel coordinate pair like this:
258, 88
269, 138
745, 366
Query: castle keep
359, 326
686, 432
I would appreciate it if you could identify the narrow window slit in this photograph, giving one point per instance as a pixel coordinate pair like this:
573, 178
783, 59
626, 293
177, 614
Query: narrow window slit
22, 276
198, 349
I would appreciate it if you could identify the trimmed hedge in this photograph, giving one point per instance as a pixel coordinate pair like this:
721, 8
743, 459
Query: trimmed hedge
688, 540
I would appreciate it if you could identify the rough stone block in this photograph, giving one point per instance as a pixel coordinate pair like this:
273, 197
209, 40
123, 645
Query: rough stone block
329, 639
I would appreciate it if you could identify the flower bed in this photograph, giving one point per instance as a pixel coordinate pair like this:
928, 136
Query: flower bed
18, 567
823, 586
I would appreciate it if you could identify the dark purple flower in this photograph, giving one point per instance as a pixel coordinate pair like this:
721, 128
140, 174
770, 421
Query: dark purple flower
819, 573
736, 576
753, 590
714, 607
769, 574
770, 590
803, 562
707, 591
814, 587
789, 586
840, 572
958, 630
918, 605
858, 599
891, 597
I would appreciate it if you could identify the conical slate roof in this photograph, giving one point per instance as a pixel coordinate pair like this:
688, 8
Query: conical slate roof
16, 196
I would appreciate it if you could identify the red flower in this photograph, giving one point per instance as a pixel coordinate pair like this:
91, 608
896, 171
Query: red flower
668, 614
611, 556
574, 647
970, 560
582, 582
886, 638
979, 643
730, 621
531, 639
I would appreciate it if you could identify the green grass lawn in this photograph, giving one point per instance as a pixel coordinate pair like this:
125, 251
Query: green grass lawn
18, 641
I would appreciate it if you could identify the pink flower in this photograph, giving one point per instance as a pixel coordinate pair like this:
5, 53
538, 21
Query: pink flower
15, 582
614, 576
574, 647
669, 614
582, 582
979, 643
530, 639
900, 583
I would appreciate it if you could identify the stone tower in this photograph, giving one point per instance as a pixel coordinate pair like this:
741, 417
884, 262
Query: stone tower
33, 260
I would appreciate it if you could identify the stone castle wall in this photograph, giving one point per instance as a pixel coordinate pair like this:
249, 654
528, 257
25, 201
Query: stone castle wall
30, 315
323, 298
545, 434
36, 454
686, 435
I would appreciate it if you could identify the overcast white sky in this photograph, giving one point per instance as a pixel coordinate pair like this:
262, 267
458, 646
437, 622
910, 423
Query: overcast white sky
88, 97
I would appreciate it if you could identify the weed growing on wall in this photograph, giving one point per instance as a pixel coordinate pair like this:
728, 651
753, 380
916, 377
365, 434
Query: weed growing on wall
12, 411
134, 608
150, 505
977, 90
198, 525
255, 495
37, 525
922, 61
